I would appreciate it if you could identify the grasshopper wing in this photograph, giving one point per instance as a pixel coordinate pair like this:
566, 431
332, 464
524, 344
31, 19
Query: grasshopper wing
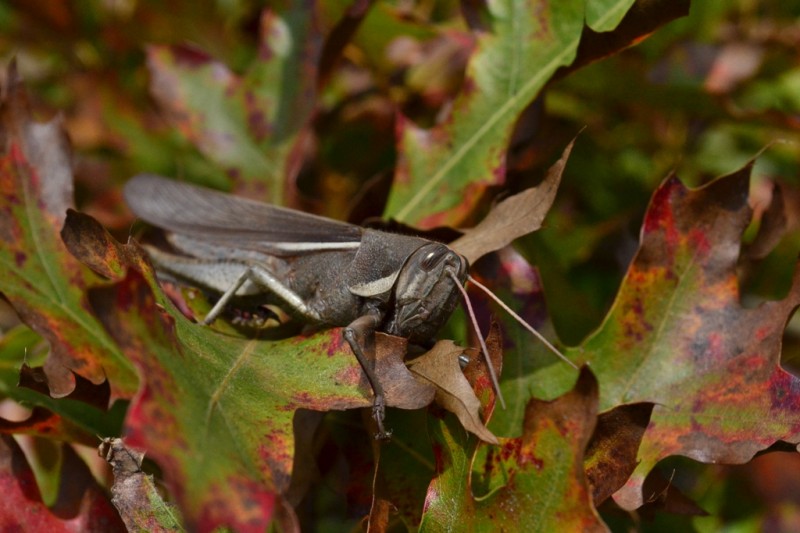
220, 218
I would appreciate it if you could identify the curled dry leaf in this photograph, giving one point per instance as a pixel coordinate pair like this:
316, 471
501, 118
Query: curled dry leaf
134, 493
400, 387
102, 253
440, 367
406, 462
514, 217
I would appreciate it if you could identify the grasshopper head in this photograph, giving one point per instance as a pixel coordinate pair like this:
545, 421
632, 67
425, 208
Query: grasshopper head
425, 293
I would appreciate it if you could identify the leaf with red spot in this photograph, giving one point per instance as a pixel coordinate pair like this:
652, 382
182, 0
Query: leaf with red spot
216, 411
43, 282
81, 504
677, 336
248, 125
442, 172
711, 366
545, 488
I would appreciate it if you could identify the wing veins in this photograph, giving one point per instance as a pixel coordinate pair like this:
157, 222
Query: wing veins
213, 216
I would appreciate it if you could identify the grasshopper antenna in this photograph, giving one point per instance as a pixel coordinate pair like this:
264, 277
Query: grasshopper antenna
521, 321
489, 366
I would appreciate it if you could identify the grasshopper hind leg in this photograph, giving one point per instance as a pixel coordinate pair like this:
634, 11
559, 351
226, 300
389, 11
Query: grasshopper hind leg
229, 278
225, 298
263, 278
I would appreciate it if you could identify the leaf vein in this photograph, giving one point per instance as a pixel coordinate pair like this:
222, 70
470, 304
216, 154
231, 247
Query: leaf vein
485, 127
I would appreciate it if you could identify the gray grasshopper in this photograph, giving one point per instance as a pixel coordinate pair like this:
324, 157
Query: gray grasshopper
321, 271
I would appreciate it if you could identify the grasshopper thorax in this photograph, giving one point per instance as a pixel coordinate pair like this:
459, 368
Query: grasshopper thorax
425, 293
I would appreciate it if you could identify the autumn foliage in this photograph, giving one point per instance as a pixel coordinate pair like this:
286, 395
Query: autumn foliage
529, 136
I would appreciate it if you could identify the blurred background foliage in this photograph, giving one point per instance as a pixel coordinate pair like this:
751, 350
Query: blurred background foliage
700, 97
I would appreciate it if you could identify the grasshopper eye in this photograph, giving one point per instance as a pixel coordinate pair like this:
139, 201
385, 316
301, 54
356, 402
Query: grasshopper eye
432, 258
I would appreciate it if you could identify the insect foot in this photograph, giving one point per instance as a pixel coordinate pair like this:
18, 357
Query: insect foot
378, 414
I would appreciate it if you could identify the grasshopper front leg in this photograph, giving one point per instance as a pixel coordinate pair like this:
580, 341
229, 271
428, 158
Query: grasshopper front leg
360, 335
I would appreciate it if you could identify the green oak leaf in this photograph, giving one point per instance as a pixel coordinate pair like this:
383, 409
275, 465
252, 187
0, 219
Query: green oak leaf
441, 170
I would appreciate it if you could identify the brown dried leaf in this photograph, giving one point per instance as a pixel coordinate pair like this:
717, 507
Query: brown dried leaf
103, 253
134, 493
514, 217
440, 367
401, 389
